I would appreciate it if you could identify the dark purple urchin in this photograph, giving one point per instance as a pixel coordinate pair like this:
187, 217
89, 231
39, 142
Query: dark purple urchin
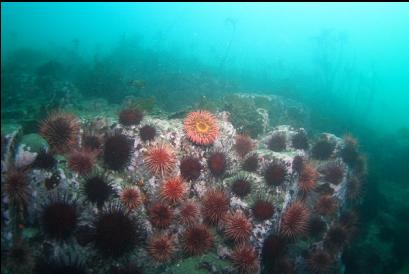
126, 269
349, 152
44, 160
190, 168
61, 266
274, 247
130, 116
323, 149
300, 140
250, 164
275, 173
217, 163
336, 238
115, 232
97, 190
59, 217
298, 163
316, 227
117, 151
277, 142
147, 133
241, 186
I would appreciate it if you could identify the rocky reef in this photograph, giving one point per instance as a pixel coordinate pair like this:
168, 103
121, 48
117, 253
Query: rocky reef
146, 194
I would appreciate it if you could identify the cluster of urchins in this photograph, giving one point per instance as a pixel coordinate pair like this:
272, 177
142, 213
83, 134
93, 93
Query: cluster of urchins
117, 230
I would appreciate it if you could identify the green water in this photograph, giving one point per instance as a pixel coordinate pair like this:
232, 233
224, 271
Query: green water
345, 64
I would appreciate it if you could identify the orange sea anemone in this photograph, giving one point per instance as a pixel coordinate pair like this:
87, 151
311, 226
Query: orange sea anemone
201, 127
160, 159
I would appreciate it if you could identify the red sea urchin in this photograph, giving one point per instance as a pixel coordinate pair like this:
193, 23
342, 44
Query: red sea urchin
115, 233
262, 209
130, 117
197, 239
160, 215
294, 221
17, 188
237, 226
117, 151
244, 144
190, 168
161, 247
131, 197
245, 259
81, 161
60, 130
173, 190
215, 204
160, 159
326, 205
319, 261
217, 163
189, 213
308, 178
201, 127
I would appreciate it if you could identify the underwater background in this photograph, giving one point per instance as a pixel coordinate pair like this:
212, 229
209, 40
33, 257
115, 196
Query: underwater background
205, 137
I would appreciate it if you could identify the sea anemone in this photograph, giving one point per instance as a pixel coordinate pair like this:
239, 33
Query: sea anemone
189, 213
130, 116
217, 163
245, 259
237, 226
60, 130
294, 221
147, 133
161, 247
97, 190
243, 145
59, 217
349, 152
201, 127
323, 149
241, 185
250, 164
17, 188
262, 209
298, 163
197, 239
215, 204
115, 232
316, 227
81, 161
336, 238
131, 197
44, 160
277, 142
300, 140
308, 178
91, 142
173, 190
190, 168
275, 173
160, 159
319, 261
160, 215
19, 259
326, 205
333, 172
117, 151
